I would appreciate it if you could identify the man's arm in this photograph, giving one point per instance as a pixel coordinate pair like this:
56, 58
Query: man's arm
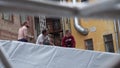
74, 43
26, 34
63, 42
50, 41
39, 40
30, 36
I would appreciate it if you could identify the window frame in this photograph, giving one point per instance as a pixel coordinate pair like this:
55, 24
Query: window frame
109, 41
10, 19
87, 46
26, 18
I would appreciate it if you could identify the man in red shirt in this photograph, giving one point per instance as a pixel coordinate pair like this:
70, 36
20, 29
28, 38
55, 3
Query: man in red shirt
68, 40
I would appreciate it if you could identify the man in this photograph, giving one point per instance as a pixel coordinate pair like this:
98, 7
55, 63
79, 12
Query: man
42, 38
68, 40
23, 32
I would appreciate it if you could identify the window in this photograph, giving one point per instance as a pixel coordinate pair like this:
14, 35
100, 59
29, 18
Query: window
37, 25
56, 25
84, 0
23, 18
108, 40
89, 44
7, 17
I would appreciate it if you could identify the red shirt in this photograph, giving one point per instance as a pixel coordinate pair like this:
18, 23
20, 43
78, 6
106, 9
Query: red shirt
68, 42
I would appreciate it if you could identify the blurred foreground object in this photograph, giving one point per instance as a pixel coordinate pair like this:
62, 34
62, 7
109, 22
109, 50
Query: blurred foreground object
99, 9
28, 55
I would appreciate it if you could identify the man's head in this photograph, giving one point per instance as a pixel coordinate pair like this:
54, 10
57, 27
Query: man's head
44, 32
67, 33
27, 24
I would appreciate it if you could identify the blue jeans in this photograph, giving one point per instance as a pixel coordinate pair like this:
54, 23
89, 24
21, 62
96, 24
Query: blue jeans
23, 40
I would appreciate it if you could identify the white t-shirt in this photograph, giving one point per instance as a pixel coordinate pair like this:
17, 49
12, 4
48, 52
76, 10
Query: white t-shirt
41, 38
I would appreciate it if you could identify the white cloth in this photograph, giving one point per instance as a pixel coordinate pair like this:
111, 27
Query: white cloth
28, 55
41, 38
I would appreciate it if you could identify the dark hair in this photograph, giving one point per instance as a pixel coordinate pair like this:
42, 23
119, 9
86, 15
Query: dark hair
67, 31
44, 31
24, 23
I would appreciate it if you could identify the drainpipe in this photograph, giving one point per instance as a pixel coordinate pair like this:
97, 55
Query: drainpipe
118, 34
118, 21
79, 28
116, 28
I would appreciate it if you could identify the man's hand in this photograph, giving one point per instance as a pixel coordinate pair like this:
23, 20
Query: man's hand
30, 36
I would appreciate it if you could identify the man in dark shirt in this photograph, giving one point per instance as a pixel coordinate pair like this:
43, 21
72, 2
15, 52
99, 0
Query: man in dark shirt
68, 40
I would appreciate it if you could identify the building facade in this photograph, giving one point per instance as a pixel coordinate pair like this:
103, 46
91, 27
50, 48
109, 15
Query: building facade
103, 35
10, 23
